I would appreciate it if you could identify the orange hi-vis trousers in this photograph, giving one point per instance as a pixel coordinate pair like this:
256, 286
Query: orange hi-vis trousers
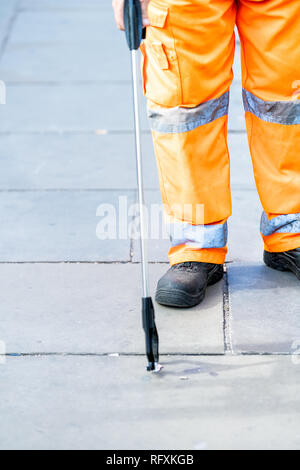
187, 70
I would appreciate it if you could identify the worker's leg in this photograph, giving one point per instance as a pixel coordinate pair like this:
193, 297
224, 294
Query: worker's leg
187, 70
270, 37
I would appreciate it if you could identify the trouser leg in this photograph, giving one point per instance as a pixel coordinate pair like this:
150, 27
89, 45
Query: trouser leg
187, 71
270, 37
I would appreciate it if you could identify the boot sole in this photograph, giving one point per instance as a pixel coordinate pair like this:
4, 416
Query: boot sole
280, 263
180, 299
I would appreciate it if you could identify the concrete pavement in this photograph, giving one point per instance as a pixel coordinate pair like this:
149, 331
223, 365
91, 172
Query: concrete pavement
74, 373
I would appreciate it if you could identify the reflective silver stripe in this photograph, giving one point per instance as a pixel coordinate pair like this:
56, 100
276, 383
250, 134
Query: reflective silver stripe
289, 223
279, 112
179, 119
198, 236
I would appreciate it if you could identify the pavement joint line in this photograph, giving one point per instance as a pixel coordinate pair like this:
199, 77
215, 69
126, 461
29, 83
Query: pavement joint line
237, 131
84, 262
59, 190
90, 262
104, 189
228, 345
94, 132
115, 355
74, 132
110, 354
64, 9
9, 28
68, 83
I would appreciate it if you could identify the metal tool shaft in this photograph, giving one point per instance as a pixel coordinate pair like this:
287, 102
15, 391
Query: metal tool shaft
139, 165
133, 21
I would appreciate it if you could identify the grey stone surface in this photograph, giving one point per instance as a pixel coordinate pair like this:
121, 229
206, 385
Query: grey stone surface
96, 308
82, 36
241, 165
58, 226
56, 161
47, 62
7, 10
73, 107
66, 25
237, 63
158, 239
239, 403
236, 109
265, 308
72, 161
41, 40
78, 108
50, 5
66, 137
245, 242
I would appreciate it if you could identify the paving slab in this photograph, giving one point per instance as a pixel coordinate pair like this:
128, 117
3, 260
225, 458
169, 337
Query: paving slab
230, 403
60, 226
158, 239
240, 159
65, 5
70, 161
236, 109
92, 61
80, 108
96, 308
89, 161
65, 46
7, 11
41, 40
265, 309
67, 25
65, 86
65, 108
244, 239
237, 69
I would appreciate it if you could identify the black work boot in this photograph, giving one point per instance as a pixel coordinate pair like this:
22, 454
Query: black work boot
184, 285
286, 261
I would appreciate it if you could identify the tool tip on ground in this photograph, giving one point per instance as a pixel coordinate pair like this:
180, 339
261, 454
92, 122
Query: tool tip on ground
154, 367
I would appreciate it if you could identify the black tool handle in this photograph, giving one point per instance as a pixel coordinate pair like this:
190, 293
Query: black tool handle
133, 20
152, 341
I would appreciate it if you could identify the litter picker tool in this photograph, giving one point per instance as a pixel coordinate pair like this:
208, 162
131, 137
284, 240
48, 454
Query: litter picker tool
134, 34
